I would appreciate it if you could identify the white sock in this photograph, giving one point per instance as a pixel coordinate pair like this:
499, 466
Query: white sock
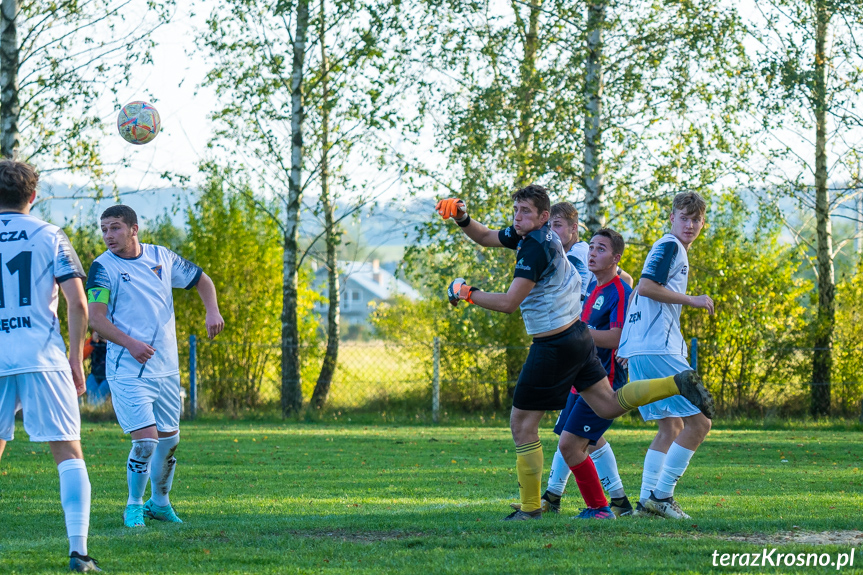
606, 468
559, 474
75, 498
674, 467
652, 468
138, 468
162, 470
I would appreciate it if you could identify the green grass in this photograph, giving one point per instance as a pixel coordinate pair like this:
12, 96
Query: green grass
268, 497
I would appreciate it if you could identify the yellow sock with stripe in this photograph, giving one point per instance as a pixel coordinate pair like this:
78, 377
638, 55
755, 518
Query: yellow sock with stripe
528, 465
637, 393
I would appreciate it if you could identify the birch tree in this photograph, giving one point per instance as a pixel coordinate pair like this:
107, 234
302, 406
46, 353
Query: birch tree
811, 62
317, 107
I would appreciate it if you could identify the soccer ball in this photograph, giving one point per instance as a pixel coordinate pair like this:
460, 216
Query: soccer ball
138, 122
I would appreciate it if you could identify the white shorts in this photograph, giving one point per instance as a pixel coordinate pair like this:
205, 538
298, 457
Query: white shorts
142, 402
655, 366
49, 402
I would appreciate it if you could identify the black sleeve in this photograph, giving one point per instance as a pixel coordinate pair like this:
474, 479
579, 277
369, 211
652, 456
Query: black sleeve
531, 260
509, 238
98, 277
659, 263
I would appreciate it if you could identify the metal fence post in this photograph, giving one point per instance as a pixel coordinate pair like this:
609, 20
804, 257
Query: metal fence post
693, 353
193, 376
436, 382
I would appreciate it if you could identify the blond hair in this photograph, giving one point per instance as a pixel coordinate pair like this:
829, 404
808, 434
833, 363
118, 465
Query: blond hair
689, 203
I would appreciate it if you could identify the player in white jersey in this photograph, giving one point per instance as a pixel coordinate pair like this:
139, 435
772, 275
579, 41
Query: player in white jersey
654, 344
35, 375
129, 289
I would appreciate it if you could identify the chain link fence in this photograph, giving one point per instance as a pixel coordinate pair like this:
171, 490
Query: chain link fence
440, 376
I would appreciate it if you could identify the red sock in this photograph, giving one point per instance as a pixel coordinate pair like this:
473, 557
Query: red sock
588, 483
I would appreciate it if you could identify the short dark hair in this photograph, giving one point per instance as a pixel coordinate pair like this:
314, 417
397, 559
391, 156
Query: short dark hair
617, 243
566, 211
537, 195
121, 212
689, 203
18, 181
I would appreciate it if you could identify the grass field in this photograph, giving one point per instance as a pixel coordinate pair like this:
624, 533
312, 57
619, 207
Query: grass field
326, 498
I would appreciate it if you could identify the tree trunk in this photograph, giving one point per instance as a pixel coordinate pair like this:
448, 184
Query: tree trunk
594, 212
292, 392
325, 378
822, 361
527, 95
9, 106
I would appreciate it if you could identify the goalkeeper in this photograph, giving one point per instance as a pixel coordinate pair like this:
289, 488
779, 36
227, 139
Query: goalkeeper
548, 290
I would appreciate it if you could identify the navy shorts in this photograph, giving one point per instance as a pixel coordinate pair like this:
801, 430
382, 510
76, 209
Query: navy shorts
564, 413
555, 364
583, 422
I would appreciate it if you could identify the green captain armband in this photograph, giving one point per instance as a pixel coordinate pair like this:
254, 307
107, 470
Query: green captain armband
98, 295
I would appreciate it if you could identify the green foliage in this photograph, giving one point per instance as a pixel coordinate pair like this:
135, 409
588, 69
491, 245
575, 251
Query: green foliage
239, 246
477, 370
847, 374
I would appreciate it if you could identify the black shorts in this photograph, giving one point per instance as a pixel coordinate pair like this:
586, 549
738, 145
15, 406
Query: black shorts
554, 365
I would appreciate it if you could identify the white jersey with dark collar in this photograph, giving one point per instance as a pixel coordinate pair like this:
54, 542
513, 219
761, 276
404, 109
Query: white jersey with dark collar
578, 256
35, 257
140, 303
653, 328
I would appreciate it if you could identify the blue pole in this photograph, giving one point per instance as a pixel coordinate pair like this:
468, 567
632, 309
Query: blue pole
693, 353
193, 376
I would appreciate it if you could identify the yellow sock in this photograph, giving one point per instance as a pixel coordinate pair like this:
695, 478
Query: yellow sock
637, 393
528, 465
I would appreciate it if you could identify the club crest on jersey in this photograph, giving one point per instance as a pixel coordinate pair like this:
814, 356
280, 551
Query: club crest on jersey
125, 277
157, 270
599, 301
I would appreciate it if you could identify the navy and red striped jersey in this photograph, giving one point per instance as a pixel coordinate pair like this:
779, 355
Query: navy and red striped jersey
605, 308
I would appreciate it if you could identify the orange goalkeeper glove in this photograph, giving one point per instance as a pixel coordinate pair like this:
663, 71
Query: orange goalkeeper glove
458, 290
452, 208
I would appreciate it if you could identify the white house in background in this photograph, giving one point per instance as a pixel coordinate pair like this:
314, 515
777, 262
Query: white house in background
362, 283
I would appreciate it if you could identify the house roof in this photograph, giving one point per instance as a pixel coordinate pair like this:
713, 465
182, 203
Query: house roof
370, 276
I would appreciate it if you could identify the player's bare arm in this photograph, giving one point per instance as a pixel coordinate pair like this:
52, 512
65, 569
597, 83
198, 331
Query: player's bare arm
625, 277
658, 292
607, 338
207, 291
99, 322
457, 210
76, 305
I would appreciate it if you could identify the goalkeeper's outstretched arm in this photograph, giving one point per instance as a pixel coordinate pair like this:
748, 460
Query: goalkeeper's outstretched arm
457, 210
503, 302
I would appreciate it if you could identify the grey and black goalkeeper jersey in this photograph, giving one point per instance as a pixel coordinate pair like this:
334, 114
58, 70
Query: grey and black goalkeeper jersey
138, 294
555, 300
